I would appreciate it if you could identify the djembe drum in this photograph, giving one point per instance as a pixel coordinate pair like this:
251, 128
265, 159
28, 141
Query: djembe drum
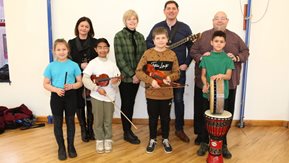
218, 121
217, 125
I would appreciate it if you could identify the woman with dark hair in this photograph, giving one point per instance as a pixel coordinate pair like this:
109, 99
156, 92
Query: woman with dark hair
82, 52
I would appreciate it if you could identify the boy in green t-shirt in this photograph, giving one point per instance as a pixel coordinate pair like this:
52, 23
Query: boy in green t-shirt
215, 65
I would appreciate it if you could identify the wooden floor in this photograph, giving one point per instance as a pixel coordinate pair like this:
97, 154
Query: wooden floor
248, 145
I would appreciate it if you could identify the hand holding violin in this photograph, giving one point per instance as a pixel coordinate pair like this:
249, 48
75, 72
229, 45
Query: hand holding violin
101, 91
114, 80
167, 80
155, 84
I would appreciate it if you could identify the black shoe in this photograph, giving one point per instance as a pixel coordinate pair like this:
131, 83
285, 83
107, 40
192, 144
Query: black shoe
84, 136
132, 134
71, 151
226, 153
167, 147
198, 140
203, 149
90, 135
62, 153
129, 138
151, 146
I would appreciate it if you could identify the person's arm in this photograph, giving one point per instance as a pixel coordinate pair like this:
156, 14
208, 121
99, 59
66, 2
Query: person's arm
75, 85
140, 74
149, 39
116, 81
188, 45
175, 75
204, 81
74, 58
244, 52
119, 57
47, 85
226, 76
87, 82
195, 52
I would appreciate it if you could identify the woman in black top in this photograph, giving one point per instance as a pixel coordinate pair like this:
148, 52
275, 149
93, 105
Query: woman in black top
81, 51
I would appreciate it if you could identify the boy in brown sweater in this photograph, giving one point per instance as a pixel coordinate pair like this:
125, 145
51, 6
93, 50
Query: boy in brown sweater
159, 99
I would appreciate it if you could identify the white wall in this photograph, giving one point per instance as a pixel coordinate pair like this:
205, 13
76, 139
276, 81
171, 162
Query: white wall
267, 95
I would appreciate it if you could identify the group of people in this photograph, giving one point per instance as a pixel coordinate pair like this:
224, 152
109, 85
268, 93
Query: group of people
75, 79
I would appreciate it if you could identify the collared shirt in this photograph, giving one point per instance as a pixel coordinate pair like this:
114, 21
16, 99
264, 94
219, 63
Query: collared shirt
234, 44
183, 30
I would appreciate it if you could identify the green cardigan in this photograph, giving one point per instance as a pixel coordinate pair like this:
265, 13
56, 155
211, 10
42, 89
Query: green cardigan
126, 60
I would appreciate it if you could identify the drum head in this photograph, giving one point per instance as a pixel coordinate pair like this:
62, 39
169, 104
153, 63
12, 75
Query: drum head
225, 114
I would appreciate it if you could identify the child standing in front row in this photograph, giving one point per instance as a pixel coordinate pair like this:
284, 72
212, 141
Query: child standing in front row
62, 77
159, 99
215, 66
102, 96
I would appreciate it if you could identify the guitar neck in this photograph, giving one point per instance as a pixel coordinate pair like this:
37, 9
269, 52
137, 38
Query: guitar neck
181, 42
192, 38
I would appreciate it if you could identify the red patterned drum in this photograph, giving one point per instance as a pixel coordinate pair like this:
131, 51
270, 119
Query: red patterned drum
217, 125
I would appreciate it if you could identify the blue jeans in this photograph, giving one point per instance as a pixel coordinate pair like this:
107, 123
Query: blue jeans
179, 103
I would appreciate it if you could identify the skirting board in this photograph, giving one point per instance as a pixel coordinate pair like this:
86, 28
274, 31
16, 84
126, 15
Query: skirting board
189, 122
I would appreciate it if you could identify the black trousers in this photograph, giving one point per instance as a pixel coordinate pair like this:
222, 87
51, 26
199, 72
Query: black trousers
88, 120
156, 109
128, 93
179, 102
201, 105
66, 104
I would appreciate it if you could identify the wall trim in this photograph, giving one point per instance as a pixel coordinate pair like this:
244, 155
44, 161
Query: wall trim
189, 122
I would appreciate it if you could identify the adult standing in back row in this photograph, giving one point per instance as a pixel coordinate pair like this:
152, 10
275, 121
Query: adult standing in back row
238, 52
129, 46
177, 30
81, 51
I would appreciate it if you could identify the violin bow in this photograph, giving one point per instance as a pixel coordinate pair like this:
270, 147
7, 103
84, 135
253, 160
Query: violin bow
121, 111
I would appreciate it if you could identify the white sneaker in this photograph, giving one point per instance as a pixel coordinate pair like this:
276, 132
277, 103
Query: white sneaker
107, 145
99, 146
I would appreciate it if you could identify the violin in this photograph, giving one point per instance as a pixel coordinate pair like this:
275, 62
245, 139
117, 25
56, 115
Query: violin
159, 76
103, 79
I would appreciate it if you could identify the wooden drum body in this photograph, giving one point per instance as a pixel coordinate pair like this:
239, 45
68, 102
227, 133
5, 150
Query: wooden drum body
218, 126
217, 96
